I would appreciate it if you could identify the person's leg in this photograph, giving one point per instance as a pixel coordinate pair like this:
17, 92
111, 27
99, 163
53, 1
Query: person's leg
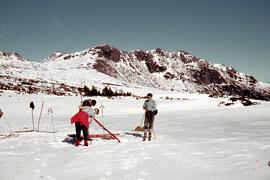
78, 130
149, 134
151, 123
85, 135
78, 133
146, 125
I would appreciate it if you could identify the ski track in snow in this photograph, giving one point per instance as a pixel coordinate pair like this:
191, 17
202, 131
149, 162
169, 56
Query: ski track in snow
195, 139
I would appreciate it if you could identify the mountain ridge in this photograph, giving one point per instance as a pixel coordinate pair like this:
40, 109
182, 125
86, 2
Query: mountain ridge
156, 68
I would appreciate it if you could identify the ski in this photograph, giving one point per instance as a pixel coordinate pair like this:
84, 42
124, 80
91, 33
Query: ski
8, 136
106, 136
90, 136
106, 130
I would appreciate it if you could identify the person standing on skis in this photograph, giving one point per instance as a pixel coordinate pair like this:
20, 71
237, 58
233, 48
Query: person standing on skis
150, 107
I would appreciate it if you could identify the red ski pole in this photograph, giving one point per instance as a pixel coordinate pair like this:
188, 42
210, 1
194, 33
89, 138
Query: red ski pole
106, 129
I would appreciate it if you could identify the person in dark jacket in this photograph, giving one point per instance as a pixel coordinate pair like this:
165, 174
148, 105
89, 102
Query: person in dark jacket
150, 107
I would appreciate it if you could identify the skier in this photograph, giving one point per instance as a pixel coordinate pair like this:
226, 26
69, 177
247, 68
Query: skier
82, 118
150, 107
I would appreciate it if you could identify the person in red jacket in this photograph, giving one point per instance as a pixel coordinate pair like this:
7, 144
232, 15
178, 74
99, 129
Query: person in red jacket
81, 120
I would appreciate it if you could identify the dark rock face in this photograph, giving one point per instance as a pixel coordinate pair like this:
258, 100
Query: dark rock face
231, 72
169, 75
160, 52
30, 86
188, 59
237, 90
67, 57
8, 54
233, 100
251, 79
206, 76
104, 67
154, 67
143, 56
148, 58
108, 52
18, 55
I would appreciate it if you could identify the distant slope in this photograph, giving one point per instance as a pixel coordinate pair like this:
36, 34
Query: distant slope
104, 65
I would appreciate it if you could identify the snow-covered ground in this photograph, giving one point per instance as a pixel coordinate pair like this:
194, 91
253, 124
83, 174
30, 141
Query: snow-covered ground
194, 139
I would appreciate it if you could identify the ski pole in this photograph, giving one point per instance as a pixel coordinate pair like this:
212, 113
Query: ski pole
50, 111
46, 140
106, 129
40, 115
32, 106
153, 132
142, 119
102, 114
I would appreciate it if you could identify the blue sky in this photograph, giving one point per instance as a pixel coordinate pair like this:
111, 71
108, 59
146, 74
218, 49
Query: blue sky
232, 32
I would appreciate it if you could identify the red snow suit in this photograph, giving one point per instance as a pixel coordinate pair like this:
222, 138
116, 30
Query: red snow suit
81, 117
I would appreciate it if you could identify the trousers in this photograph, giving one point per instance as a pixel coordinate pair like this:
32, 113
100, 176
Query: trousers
80, 127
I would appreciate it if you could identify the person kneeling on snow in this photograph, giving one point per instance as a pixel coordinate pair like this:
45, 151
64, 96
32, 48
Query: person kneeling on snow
81, 120
150, 107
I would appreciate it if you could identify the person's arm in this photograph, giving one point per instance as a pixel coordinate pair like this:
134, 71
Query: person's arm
91, 112
90, 120
144, 106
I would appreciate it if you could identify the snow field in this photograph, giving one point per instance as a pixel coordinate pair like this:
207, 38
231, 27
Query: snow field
195, 139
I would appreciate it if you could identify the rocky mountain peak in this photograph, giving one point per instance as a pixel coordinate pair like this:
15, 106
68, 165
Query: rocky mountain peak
108, 52
11, 55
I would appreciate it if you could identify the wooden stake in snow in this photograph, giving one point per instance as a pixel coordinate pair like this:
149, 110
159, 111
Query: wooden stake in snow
32, 106
40, 115
102, 115
102, 108
50, 111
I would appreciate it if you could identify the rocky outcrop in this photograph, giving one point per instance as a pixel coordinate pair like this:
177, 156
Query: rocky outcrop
237, 100
143, 56
154, 67
29, 86
169, 75
7, 55
104, 66
206, 76
108, 52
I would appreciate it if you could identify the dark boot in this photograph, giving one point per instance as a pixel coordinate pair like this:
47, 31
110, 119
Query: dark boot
144, 135
149, 136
